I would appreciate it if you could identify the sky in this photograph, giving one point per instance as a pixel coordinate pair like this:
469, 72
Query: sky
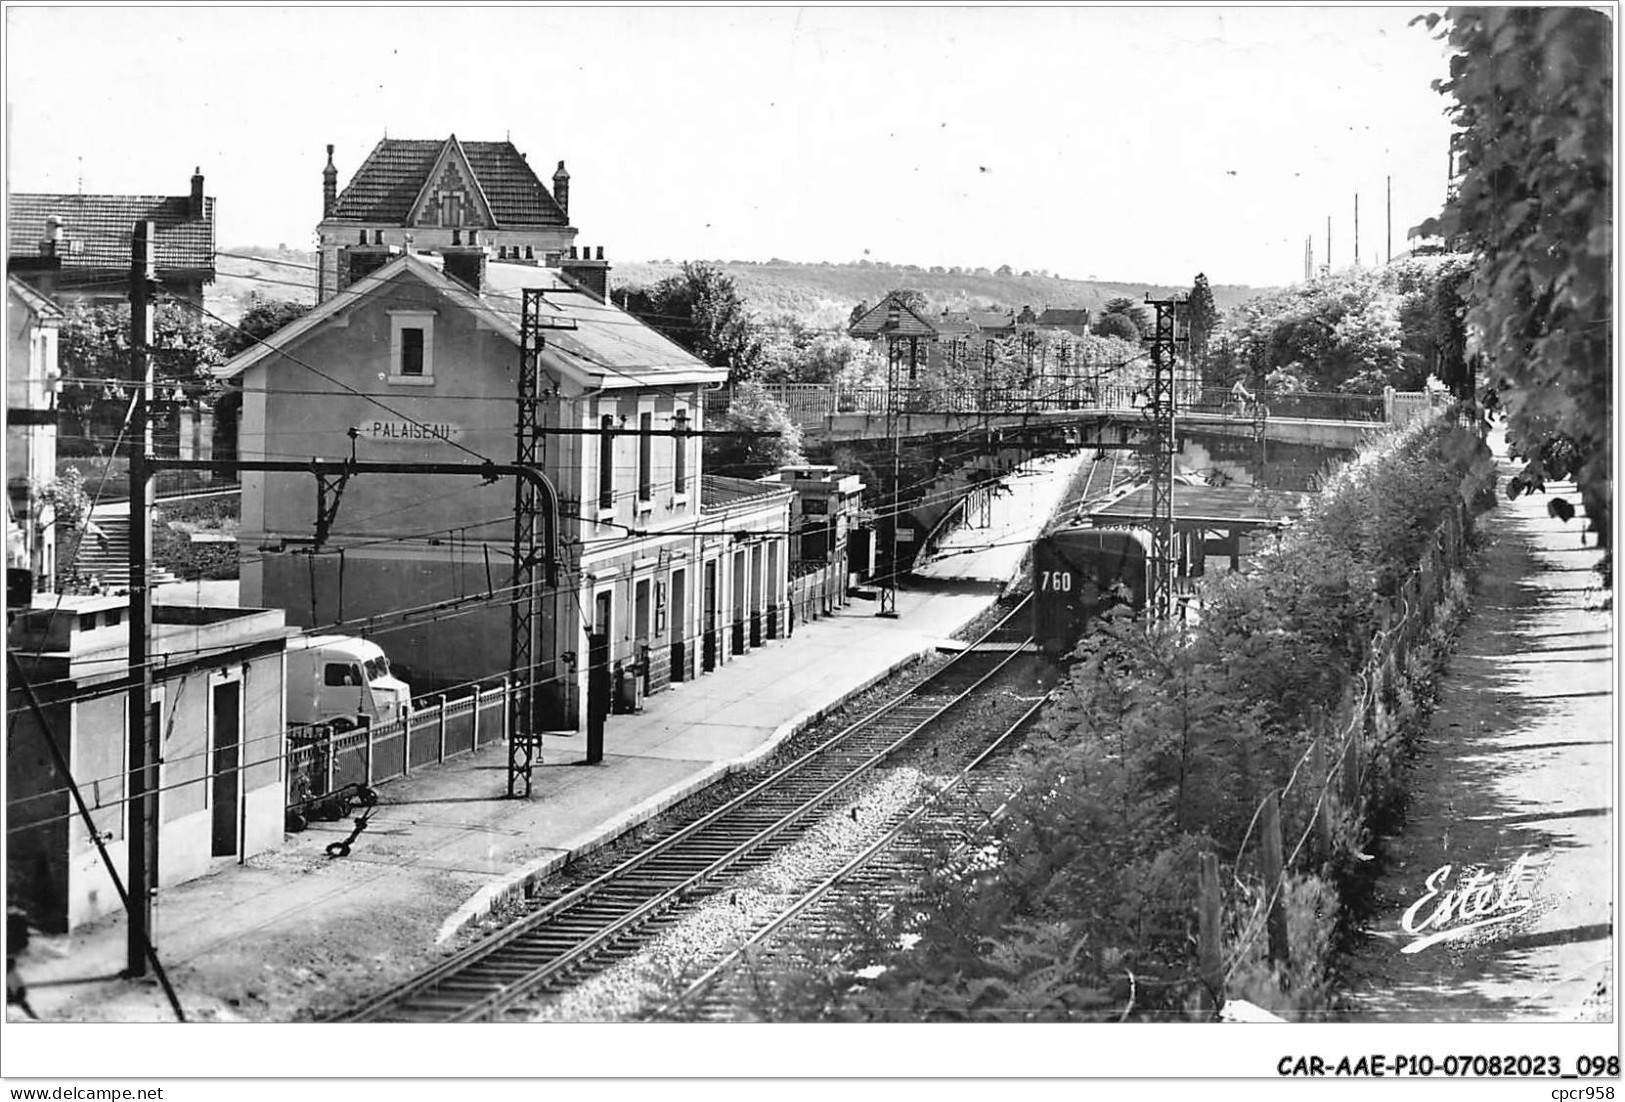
1118, 143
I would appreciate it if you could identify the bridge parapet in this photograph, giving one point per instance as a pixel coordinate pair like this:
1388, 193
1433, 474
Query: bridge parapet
814, 406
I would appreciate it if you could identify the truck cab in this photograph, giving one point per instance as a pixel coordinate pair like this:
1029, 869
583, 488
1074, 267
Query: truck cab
343, 680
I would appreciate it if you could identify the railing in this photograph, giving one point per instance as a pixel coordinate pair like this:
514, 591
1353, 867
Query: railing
172, 484
811, 405
816, 589
322, 760
1403, 405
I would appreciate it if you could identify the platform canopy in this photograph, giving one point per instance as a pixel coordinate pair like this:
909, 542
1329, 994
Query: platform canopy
1239, 508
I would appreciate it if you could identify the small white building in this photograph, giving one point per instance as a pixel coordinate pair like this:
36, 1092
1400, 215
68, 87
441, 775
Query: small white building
217, 703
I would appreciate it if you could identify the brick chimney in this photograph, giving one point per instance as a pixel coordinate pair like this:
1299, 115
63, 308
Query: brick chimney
52, 245
561, 189
330, 186
197, 194
588, 272
464, 263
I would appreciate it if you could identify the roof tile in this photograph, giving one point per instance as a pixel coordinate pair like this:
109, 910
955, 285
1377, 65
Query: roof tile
383, 188
96, 230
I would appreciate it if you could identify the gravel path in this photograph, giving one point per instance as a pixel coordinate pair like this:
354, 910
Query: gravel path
1514, 786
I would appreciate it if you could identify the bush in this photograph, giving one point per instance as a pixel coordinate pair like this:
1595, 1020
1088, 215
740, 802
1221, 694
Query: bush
174, 549
1160, 746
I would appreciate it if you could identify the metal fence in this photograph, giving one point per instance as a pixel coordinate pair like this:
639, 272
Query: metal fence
816, 589
322, 760
810, 405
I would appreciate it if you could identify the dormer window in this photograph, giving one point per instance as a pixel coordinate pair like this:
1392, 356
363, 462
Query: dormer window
451, 207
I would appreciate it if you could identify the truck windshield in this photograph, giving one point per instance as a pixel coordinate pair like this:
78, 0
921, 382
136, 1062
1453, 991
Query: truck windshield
376, 668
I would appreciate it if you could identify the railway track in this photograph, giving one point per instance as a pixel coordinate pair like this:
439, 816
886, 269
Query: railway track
617, 913
799, 938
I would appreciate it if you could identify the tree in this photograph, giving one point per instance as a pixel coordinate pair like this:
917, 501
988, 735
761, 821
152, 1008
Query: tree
1202, 315
702, 310
828, 358
1004, 270
1533, 101
93, 350
753, 409
1132, 310
914, 300
94, 343
1120, 326
258, 322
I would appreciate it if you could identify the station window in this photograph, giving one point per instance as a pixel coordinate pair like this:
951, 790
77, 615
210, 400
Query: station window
679, 477
606, 462
645, 457
411, 348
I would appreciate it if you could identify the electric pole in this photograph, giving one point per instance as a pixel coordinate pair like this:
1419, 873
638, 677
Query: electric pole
141, 827
524, 744
894, 362
1390, 187
1160, 446
1356, 229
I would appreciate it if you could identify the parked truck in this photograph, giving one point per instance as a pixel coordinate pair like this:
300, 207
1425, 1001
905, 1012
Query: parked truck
343, 682
336, 683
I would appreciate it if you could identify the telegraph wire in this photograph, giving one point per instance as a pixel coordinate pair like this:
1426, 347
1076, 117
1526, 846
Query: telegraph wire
318, 371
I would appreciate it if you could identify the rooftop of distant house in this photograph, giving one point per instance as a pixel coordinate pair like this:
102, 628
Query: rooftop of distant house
719, 492
388, 183
94, 232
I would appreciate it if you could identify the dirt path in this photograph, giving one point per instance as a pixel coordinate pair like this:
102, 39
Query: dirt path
1512, 796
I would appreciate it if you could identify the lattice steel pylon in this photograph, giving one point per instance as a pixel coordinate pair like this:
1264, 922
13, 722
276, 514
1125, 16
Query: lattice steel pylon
1161, 447
1261, 443
897, 348
524, 741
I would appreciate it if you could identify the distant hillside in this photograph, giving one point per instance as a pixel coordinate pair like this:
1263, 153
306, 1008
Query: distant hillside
279, 273
819, 295
822, 295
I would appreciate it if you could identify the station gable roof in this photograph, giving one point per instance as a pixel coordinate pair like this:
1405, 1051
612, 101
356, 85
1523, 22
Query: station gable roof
595, 343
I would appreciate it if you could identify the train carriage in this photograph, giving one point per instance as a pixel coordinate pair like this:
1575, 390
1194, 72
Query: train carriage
1076, 569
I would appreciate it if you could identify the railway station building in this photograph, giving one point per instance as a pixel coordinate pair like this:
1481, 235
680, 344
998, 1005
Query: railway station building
664, 572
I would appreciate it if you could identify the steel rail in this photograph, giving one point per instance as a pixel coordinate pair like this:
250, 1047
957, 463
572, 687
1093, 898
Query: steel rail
813, 895
675, 893
460, 964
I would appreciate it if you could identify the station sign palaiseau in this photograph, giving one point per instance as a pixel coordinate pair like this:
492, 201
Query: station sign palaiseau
409, 432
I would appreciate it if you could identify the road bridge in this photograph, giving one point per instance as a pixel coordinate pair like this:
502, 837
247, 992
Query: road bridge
951, 444
1095, 414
